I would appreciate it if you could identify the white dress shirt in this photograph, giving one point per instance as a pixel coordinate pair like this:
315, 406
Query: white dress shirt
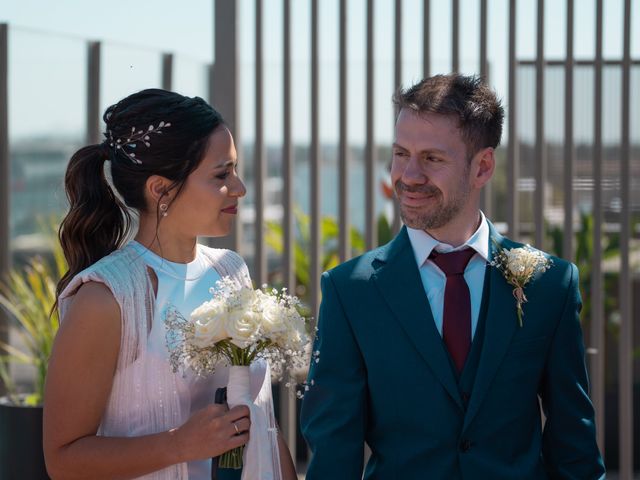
434, 279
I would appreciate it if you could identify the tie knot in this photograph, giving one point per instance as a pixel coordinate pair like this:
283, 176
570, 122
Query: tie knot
452, 263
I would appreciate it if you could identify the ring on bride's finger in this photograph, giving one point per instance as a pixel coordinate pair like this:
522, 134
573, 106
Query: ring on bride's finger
236, 427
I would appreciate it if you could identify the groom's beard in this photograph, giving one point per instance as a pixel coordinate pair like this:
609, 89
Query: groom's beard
437, 212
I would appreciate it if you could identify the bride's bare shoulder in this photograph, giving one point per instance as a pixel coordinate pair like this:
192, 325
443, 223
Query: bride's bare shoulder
95, 300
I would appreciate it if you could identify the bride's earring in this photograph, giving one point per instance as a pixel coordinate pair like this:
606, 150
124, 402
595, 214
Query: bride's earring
163, 209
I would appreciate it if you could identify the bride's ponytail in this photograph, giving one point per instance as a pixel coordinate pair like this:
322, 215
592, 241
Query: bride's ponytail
97, 221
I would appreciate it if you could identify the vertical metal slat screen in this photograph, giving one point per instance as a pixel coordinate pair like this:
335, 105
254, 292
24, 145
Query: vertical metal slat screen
426, 38
316, 246
93, 92
455, 35
625, 422
569, 149
287, 158
343, 160
167, 71
224, 85
513, 167
288, 412
486, 200
540, 155
397, 82
597, 305
5, 174
259, 177
370, 153
4, 155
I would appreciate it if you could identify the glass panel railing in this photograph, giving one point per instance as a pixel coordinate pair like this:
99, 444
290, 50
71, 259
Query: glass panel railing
125, 70
47, 92
190, 77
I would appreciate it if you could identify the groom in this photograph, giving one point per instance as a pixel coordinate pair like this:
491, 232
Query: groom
421, 351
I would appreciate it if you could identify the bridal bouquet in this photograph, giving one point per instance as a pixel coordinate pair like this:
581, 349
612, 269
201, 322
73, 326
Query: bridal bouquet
235, 327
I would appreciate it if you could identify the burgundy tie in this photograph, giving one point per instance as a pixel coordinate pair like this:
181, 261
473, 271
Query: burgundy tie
456, 323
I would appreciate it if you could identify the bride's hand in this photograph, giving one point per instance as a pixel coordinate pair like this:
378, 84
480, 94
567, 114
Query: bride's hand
211, 432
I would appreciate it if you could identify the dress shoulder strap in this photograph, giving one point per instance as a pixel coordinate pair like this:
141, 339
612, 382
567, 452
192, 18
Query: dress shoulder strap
228, 264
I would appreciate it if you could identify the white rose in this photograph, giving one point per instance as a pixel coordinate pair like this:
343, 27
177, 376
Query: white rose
209, 324
244, 298
273, 320
296, 340
242, 327
295, 336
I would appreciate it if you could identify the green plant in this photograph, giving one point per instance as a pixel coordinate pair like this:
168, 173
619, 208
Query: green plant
329, 231
584, 261
385, 232
329, 237
27, 295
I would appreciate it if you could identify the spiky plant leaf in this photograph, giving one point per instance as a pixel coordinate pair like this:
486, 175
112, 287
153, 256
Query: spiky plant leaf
27, 295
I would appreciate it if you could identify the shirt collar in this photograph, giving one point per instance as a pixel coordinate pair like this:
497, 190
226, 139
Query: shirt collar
423, 243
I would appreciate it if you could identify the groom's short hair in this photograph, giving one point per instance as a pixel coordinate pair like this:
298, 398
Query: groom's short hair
468, 98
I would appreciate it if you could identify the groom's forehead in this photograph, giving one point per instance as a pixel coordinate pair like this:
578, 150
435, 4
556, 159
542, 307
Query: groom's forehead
431, 132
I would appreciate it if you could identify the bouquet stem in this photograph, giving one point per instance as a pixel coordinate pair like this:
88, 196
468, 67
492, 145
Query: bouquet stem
232, 458
238, 393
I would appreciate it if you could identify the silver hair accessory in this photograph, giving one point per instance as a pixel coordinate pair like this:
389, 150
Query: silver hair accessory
126, 144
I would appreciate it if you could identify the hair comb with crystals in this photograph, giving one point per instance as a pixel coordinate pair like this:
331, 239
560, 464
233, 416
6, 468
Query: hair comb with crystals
126, 144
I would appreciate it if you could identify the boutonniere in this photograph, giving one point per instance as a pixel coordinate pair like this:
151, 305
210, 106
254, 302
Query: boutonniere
519, 266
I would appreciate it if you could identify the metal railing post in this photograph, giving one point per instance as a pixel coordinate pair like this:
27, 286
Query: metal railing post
167, 71
540, 148
288, 411
224, 91
5, 174
625, 359
94, 50
597, 363
513, 161
569, 147
486, 199
344, 248
371, 230
259, 155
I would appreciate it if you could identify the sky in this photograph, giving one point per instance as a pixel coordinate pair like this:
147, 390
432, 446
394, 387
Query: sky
165, 25
48, 43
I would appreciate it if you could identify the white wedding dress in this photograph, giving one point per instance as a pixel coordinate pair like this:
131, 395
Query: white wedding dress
147, 396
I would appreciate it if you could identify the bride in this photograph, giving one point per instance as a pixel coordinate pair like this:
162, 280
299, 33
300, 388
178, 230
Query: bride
113, 406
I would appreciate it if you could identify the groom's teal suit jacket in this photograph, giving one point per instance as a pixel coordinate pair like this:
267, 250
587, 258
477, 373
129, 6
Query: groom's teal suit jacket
384, 377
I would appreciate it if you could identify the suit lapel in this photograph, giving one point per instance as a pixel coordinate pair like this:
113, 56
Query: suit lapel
500, 326
399, 282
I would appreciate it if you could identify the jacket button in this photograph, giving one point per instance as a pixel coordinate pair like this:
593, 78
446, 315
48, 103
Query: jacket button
465, 445
465, 397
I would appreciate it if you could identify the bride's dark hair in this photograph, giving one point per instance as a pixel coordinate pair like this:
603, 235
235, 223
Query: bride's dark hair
152, 132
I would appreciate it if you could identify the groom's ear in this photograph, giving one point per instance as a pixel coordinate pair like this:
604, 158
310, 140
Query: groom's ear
157, 188
483, 164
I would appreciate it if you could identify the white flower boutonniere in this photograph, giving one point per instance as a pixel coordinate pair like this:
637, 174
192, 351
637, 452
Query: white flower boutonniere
519, 265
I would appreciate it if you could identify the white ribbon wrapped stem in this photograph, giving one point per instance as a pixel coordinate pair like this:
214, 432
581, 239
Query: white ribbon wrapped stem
261, 459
